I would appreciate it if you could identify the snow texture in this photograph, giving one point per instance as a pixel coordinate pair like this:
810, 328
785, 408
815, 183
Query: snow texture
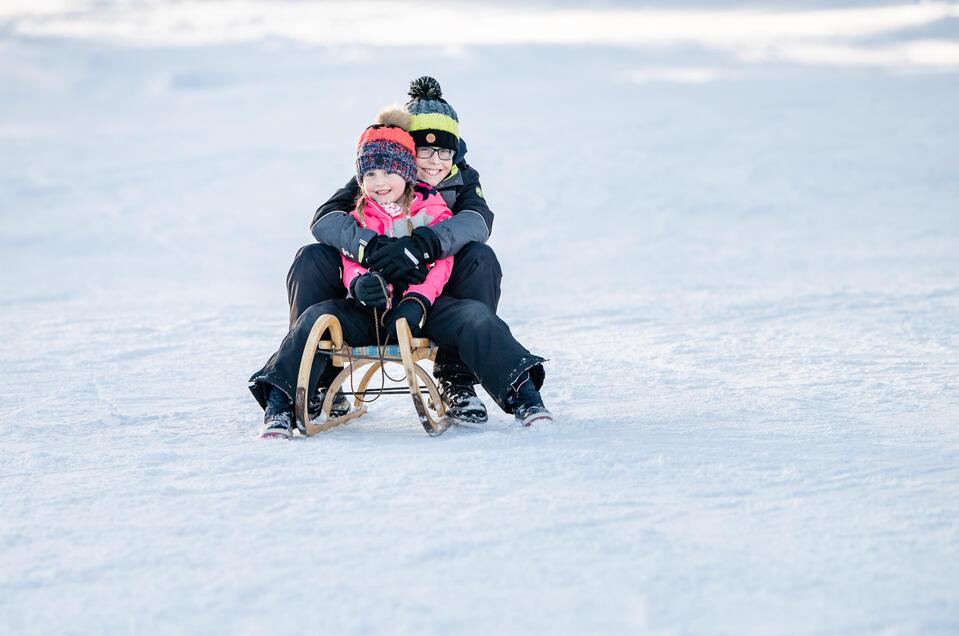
738, 247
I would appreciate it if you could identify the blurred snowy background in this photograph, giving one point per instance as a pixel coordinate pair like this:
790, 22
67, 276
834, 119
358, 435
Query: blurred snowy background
733, 227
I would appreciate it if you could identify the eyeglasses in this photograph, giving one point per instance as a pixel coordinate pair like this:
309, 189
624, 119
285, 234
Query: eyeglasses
425, 152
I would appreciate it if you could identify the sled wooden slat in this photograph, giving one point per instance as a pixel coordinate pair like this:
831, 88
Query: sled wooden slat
408, 353
342, 355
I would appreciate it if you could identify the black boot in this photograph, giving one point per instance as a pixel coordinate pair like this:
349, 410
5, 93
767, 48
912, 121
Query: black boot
526, 404
278, 416
462, 403
340, 406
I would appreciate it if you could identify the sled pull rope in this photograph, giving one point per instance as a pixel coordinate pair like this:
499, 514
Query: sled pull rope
381, 351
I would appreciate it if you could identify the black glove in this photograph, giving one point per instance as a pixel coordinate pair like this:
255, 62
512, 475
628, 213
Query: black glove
413, 307
369, 290
404, 262
376, 243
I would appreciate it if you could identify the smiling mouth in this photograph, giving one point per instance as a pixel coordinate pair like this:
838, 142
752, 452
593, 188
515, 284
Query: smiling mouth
431, 171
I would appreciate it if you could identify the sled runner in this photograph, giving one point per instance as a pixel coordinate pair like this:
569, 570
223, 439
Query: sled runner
408, 353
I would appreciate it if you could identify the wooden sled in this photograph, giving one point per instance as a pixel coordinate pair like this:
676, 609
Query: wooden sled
408, 353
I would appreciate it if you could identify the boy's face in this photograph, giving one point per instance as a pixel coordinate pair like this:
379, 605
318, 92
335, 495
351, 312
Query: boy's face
383, 186
433, 169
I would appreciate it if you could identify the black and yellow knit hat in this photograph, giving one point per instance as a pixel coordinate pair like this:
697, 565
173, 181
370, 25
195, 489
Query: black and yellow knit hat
433, 121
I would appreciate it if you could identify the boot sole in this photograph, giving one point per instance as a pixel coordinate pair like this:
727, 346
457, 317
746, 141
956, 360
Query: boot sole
334, 413
467, 419
482, 418
538, 417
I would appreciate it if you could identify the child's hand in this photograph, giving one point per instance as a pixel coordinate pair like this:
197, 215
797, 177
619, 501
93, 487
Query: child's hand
413, 307
370, 290
376, 243
404, 261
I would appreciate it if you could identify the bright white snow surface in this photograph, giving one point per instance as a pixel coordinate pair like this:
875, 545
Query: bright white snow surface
738, 247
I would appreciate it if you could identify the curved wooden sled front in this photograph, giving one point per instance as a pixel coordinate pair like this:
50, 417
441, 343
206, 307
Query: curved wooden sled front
434, 426
412, 350
301, 408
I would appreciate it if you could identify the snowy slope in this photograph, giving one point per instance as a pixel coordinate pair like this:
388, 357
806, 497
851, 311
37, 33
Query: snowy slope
740, 258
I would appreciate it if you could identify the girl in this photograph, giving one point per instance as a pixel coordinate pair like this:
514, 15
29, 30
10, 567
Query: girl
392, 203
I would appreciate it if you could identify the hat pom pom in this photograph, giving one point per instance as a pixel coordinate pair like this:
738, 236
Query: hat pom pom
394, 116
425, 88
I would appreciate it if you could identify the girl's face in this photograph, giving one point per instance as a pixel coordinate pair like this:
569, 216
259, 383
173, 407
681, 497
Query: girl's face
383, 186
432, 170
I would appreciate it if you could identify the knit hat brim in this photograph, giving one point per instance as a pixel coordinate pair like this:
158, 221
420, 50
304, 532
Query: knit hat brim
386, 155
435, 138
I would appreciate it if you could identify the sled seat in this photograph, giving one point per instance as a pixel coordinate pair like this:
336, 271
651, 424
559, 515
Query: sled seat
408, 353
372, 351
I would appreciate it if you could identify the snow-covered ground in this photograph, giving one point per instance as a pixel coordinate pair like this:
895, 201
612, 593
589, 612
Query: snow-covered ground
733, 229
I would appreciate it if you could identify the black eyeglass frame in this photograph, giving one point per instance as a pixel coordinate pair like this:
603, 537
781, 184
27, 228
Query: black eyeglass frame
433, 150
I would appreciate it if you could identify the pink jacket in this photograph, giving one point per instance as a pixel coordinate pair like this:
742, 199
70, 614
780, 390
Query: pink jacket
427, 208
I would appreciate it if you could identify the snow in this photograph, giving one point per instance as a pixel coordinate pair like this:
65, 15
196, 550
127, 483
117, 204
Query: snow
740, 258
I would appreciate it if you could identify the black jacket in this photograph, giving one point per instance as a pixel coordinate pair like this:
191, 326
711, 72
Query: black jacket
472, 220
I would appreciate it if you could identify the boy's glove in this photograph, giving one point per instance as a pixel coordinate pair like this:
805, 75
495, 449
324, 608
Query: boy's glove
369, 290
413, 307
404, 261
376, 243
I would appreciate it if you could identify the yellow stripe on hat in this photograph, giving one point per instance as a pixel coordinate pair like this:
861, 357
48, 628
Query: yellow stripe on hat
435, 121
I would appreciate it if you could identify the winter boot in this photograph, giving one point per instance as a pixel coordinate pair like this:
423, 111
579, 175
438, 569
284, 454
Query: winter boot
340, 406
278, 416
526, 404
462, 404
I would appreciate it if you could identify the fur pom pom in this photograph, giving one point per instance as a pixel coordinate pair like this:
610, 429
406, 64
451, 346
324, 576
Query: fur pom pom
425, 88
394, 116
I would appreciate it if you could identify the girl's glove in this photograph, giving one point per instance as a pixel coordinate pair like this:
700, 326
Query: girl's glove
369, 290
413, 307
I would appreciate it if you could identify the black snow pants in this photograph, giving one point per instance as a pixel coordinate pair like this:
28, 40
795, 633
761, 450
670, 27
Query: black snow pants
469, 327
317, 275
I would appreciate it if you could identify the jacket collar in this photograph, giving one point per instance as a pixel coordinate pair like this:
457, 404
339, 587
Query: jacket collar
455, 178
